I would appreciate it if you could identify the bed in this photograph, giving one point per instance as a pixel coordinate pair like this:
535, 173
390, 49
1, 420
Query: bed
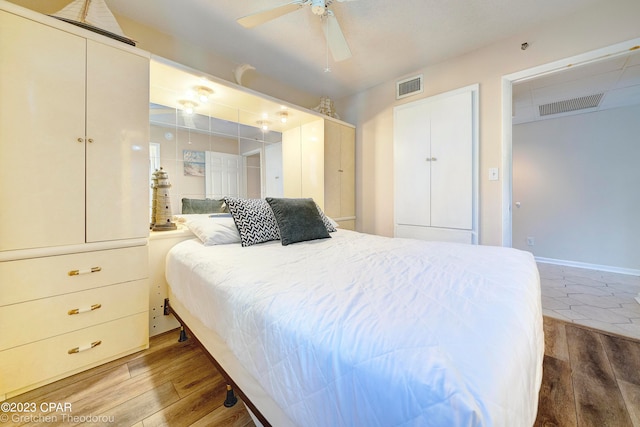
364, 330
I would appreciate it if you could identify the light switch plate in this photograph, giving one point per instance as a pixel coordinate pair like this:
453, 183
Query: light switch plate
494, 174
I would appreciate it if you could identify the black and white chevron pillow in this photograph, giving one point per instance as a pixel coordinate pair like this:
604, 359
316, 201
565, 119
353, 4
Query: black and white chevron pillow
254, 219
326, 220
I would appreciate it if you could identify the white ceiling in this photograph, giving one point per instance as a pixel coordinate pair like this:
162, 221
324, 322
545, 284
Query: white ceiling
617, 77
388, 38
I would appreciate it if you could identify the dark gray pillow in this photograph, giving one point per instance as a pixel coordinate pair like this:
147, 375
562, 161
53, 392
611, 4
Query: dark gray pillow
203, 206
298, 220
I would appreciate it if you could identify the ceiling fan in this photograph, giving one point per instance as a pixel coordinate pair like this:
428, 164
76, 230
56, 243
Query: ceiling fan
332, 31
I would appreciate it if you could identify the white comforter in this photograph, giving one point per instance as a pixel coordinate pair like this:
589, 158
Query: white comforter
362, 330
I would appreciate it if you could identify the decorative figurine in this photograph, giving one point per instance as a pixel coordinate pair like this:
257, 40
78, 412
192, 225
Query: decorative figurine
154, 197
326, 107
161, 209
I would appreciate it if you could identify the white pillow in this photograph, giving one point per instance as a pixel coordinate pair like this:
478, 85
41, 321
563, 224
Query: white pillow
215, 230
185, 218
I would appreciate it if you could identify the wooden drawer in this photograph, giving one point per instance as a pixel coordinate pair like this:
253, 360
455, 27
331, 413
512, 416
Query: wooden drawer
32, 365
39, 319
30, 279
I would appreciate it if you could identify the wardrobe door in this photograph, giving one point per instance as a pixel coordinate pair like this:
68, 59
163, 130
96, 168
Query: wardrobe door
412, 160
292, 163
332, 168
303, 162
452, 162
339, 173
312, 160
117, 144
348, 171
42, 99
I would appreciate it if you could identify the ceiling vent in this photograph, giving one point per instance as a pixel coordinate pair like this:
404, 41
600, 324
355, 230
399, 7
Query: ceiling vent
408, 87
574, 104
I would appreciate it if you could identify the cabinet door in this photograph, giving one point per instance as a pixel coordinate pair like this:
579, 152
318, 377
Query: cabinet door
303, 162
292, 163
312, 159
452, 161
273, 170
42, 96
332, 167
412, 164
339, 170
118, 144
348, 171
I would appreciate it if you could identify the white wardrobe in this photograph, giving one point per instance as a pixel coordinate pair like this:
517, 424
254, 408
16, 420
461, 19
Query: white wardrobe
74, 156
436, 163
340, 173
319, 162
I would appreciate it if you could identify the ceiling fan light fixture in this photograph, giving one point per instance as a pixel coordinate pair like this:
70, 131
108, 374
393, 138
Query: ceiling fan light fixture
204, 93
318, 7
188, 107
284, 116
333, 33
264, 124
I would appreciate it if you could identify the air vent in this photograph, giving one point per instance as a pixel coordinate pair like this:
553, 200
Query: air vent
574, 104
408, 87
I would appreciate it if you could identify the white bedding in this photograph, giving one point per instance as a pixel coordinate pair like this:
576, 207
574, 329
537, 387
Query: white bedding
362, 330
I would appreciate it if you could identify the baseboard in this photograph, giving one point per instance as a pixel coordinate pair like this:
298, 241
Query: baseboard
608, 268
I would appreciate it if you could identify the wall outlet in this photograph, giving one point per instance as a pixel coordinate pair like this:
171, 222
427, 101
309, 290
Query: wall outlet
531, 241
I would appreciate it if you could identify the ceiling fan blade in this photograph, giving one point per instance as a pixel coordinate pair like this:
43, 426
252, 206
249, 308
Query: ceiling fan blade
335, 38
261, 17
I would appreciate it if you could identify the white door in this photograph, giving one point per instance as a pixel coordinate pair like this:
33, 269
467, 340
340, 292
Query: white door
224, 175
303, 161
273, 170
42, 95
412, 159
452, 162
117, 143
348, 171
435, 165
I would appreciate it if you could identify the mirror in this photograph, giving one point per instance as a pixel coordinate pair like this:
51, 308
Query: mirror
212, 158
215, 139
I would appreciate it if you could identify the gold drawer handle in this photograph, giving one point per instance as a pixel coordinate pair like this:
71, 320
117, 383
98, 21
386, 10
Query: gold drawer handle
85, 271
84, 309
84, 347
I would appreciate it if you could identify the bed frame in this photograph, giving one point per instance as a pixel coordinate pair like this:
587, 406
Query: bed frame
237, 377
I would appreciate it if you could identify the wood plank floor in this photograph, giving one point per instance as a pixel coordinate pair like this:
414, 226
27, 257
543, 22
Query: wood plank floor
170, 384
590, 379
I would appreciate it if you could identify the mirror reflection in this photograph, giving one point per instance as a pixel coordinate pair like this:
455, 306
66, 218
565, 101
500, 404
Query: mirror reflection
216, 139
210, 157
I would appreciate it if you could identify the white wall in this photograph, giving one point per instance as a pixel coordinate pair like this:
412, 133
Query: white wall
577, 180
372, 110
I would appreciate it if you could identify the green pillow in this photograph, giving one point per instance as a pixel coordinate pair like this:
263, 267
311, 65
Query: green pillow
203, 206
298, 220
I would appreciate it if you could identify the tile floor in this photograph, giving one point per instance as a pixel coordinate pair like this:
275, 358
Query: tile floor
598, 299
